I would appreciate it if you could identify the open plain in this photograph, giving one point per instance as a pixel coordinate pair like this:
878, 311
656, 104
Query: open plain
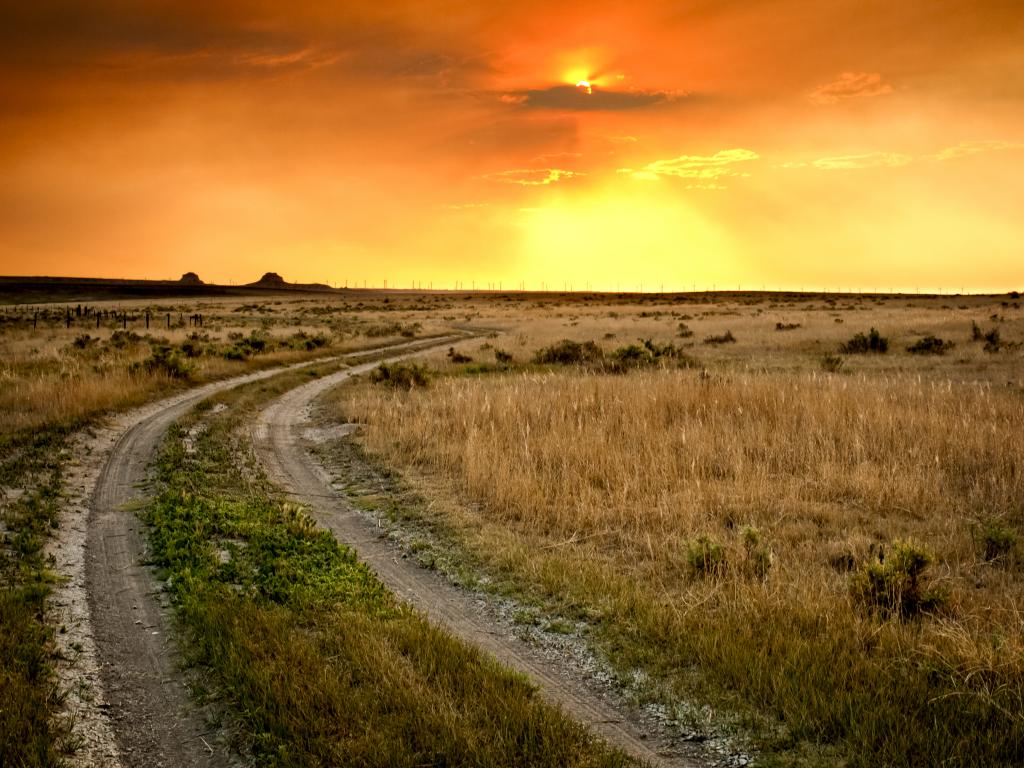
393, 528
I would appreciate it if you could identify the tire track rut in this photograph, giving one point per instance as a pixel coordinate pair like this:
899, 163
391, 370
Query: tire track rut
144, 693
278, 437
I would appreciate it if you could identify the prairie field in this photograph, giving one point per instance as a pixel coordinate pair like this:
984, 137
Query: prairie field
824, 545
790, 519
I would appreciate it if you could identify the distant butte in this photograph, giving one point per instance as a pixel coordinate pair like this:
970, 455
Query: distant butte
270, 278
191, 278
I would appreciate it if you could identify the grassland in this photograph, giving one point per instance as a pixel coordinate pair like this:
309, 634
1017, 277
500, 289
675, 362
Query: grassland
729, 518
831, 557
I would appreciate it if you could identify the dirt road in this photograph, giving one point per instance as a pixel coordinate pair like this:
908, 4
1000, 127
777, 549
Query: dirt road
278, 436
141, 714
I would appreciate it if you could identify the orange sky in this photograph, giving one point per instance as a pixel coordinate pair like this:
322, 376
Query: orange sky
786, 143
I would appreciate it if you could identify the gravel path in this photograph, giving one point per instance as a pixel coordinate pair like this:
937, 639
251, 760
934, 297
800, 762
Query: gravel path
279, 438
127, 697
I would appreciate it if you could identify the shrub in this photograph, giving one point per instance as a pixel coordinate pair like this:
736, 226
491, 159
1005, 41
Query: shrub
236, 353
401, 375
992, 341
725, 338
630, 357
567, 352
121, 339
684, 331
758, 555
634, 356
930, 345
308, 342
83, 341
831, 363
786, 326
861, 344
458, 357
193, 345
255, 342
502, 357
167, 361
705, 556
976, 332
896, 586
995, 539
393, 329
191, 348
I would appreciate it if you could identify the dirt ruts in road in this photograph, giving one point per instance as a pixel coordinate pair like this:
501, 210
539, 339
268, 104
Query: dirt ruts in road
127, 697
278, 436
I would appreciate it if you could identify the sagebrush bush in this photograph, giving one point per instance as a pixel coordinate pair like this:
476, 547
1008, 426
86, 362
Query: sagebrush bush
167, 361
930, 345
861, 344
84, 341
635, 356
995, 539
896, 585
684, 331
568, 352
401, 375
725, 338
705, 556
831, 363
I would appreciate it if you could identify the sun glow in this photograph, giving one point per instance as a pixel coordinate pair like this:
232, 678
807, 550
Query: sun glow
586, 235
584, 85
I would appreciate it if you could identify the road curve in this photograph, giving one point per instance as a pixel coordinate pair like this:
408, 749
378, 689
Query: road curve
278, 438
155, 723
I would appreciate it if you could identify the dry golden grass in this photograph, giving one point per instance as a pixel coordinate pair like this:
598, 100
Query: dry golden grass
593, 491
45, 380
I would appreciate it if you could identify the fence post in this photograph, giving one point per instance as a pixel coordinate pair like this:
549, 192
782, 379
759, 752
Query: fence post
124, 321
147, 321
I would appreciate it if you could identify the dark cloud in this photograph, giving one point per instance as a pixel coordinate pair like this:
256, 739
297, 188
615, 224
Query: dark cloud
219, 39
569, 97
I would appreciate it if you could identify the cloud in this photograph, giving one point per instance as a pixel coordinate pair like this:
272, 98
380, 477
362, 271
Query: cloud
569, 97
850, 85
705, 167
533, 177
968, 148
866, 160
466, 206
898, 159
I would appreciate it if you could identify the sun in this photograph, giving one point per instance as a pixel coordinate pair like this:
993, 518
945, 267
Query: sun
584, 86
